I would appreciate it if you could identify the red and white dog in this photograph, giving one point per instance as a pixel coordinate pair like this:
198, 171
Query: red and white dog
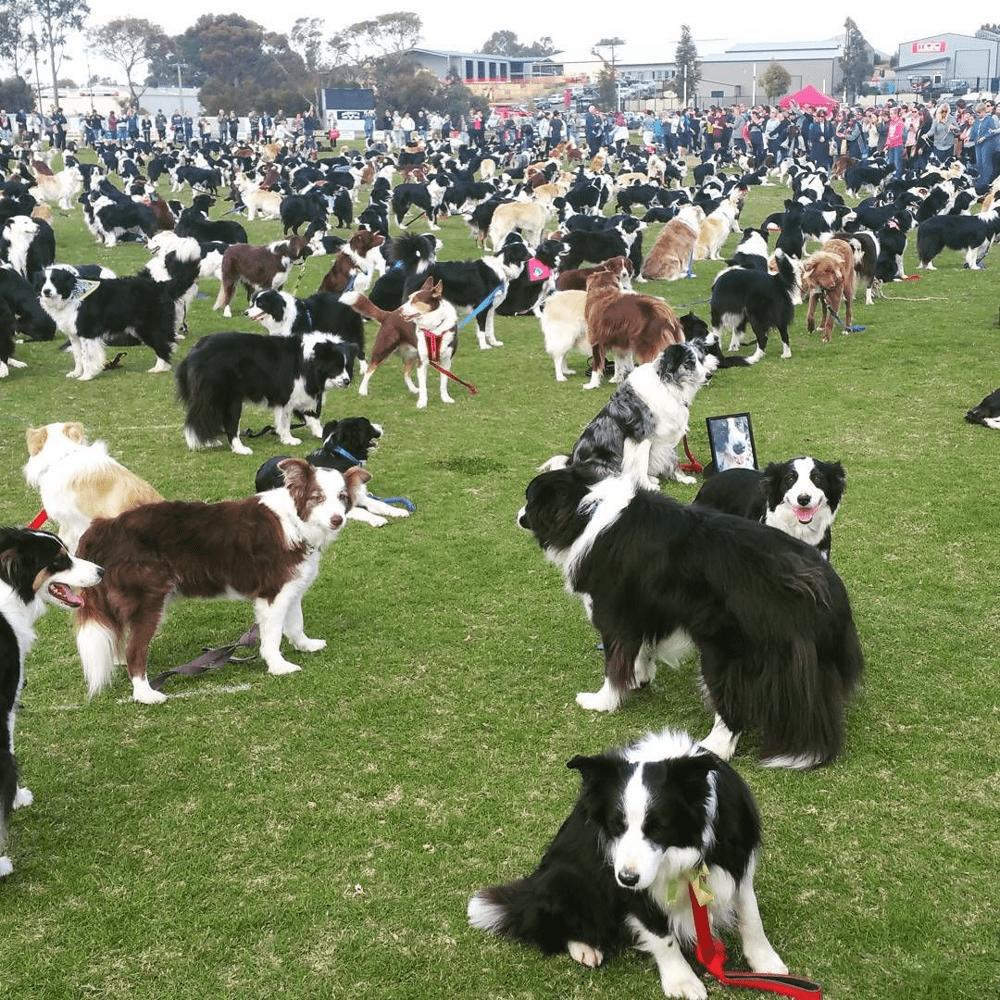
257, 268
265, 548
424, 315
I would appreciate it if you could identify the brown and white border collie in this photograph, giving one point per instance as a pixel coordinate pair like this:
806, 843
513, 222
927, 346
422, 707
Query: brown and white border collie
424, 315
257, 268
265, 548
625, 324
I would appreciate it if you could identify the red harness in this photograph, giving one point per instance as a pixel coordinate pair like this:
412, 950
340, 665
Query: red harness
434, 341
39, 521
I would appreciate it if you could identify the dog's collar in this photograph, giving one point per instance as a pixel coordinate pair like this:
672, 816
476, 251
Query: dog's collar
337, 450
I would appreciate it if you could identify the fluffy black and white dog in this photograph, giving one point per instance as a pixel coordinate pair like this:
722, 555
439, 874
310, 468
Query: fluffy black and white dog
768, 614
346, 443
283, 315
648, 819
970, 234
637, 432
36, 571
800, 497
88, 311
223, 371
765, 301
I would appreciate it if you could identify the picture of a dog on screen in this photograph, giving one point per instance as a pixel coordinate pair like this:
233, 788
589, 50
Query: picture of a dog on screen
731, 440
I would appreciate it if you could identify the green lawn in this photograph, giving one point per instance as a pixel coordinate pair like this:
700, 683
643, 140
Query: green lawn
318, 835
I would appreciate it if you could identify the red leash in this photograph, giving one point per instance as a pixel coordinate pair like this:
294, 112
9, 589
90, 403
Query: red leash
693, 464
712, 954
434, 353
39, 521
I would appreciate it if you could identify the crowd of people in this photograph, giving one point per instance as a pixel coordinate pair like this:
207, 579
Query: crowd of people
906, 133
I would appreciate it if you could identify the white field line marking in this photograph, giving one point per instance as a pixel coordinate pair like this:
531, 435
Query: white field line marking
201, 692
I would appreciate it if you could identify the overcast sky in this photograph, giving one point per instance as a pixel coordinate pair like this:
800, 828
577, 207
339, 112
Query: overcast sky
884, 26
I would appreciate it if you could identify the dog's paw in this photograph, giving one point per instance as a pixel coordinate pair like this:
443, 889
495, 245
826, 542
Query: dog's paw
283, 667
681, 477
605, 700
585, 954
144, 694
23, 798
764, 959
293, 441
307, 645
5, 867
686, 985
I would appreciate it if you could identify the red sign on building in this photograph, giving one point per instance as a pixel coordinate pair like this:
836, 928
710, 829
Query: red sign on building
928, 48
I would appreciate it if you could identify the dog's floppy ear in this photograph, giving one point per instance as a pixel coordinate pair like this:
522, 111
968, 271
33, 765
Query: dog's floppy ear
356, 477
75, 432
37, 436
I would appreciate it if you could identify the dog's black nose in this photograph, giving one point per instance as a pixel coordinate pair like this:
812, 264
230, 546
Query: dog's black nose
804, 499
629, 879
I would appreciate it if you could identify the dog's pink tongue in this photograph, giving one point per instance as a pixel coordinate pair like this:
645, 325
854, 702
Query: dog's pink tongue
66, 595
804, 514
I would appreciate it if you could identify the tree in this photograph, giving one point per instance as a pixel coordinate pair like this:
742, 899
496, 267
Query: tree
506, 43
53, 19
15, 42
857, 62
129, 42
607, 79
775, 80
688, 68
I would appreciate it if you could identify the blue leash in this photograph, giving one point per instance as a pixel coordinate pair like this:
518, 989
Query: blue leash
408, 504
482, 305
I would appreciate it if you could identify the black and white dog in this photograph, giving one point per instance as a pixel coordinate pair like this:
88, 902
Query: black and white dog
768, 614
88, 311
800, 497
765, 301
468, 284
649, 818
427, 197
987, 412
637, 432
223, 371
36, 570
971, 234
346, 442
283, 315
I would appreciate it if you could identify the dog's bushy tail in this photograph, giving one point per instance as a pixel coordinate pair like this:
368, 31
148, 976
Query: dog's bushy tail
203, 424
555, 462
363, 305
97, 645
520, 912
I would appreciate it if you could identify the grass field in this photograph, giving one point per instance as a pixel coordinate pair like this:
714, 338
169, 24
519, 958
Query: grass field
319, 835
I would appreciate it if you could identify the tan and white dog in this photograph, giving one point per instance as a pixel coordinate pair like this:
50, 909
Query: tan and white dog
715, 230
80, 481
260, 204
674, 247
60, 188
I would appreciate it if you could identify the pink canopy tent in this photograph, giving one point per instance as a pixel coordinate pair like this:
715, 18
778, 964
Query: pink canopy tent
808, 96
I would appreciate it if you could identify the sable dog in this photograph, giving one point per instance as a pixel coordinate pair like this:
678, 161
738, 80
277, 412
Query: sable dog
625, 323
828, 275
674, 247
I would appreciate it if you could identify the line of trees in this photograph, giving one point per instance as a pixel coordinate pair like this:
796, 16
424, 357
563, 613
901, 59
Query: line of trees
234, 62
